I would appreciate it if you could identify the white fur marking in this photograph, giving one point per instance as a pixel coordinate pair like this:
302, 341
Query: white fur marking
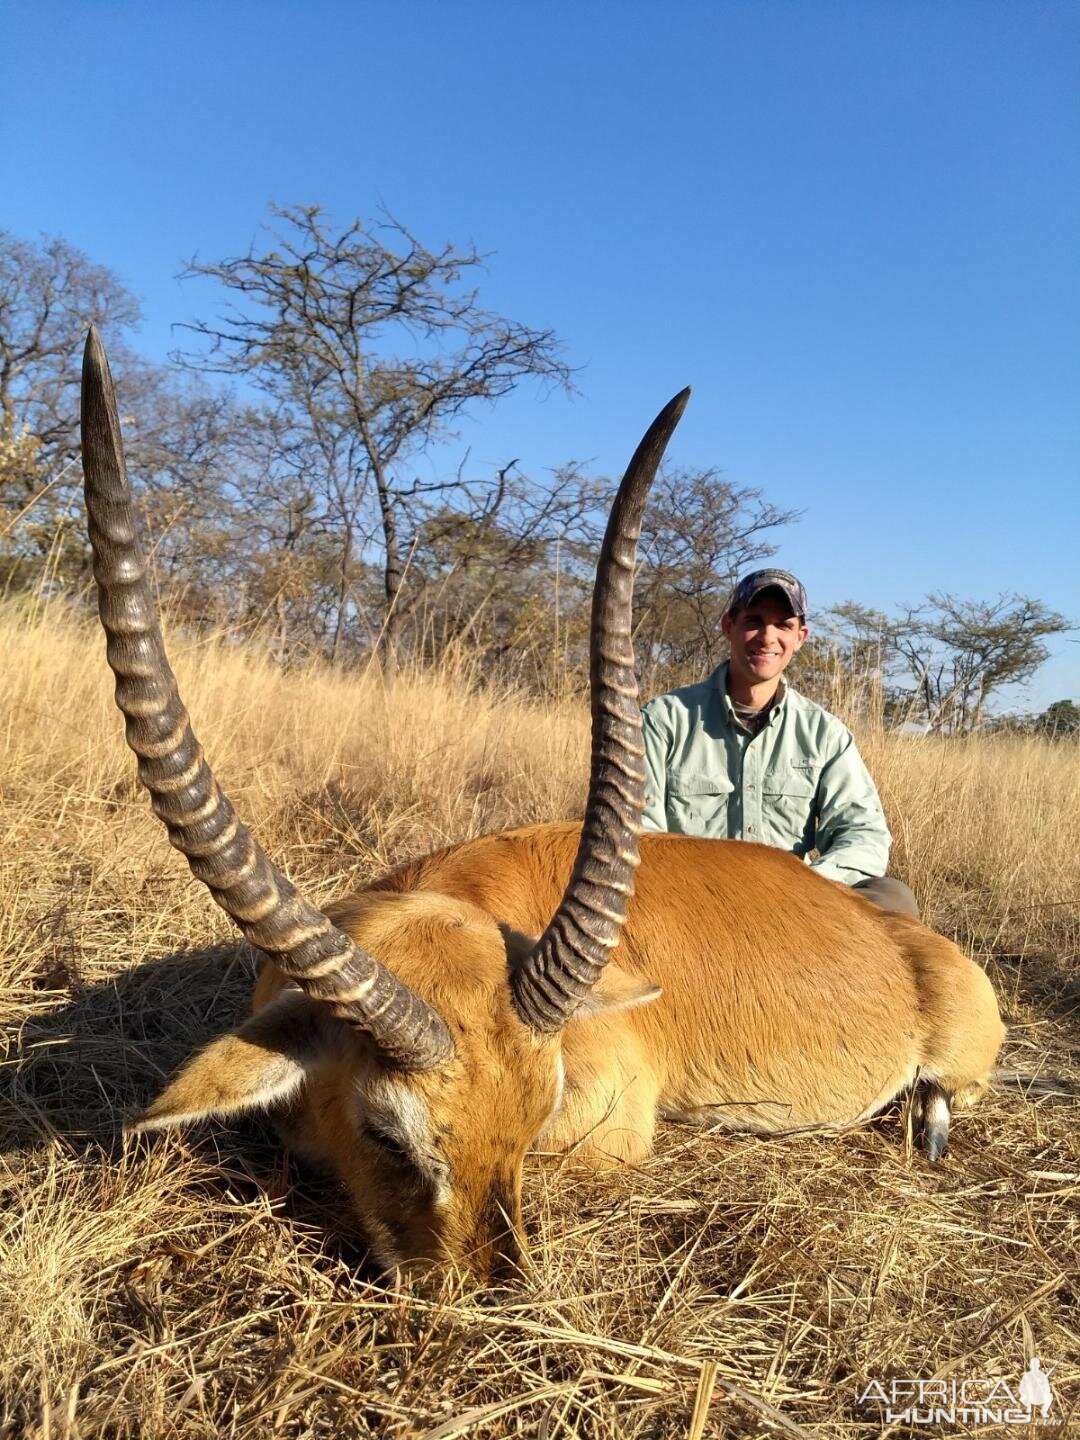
938, 1112
402, 1113
560, 1085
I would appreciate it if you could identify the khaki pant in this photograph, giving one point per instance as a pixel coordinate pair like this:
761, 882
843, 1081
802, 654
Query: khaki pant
889, 893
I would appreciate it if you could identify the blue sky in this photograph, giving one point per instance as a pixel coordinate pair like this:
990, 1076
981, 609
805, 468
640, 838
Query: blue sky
852, 227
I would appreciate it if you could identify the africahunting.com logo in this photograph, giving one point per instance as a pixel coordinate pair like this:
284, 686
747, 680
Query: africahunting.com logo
1027, 1401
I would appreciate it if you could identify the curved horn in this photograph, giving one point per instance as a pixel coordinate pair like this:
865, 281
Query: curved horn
567, 960
201, 823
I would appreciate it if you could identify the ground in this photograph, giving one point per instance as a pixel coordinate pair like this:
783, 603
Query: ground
202, 1284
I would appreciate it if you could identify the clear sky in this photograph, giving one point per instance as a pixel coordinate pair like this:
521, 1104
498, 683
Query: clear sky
853, 227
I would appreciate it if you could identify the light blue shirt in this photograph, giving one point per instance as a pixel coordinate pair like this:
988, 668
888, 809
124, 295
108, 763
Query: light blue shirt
799, 784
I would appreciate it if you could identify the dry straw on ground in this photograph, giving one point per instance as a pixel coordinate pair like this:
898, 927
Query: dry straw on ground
200, 1285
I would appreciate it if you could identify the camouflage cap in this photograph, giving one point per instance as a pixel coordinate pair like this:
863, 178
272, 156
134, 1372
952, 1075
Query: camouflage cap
758, 580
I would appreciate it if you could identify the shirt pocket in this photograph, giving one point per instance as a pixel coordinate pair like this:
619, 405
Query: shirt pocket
788, 793
697, 804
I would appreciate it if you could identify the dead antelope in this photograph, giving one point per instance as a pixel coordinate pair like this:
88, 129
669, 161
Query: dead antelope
420, 1037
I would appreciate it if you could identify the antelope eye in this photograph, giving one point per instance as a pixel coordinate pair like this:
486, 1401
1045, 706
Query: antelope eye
388, 1144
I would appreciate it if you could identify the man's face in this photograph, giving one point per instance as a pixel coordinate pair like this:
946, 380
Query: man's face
764, 638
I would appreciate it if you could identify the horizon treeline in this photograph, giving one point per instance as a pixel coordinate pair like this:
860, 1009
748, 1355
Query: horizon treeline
276, 460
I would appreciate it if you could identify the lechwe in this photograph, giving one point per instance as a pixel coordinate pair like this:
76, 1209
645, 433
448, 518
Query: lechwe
420, 1038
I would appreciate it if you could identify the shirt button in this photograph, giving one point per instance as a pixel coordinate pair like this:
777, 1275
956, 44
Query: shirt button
749, 829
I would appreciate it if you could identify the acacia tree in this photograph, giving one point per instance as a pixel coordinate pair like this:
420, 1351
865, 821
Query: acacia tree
518, 574
371, 346
1059, 720
943, 660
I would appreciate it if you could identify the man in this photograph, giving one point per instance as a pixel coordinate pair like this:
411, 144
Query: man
742, 756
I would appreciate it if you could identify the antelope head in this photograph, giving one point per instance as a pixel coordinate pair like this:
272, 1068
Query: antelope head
408, 1039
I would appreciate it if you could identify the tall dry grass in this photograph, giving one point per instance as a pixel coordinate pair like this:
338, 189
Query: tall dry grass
199, 1285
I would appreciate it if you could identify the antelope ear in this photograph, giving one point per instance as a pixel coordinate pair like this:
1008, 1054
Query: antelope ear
265, 1060
616, 990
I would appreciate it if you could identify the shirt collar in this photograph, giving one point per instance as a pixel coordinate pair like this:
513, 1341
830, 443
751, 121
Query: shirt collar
719, 678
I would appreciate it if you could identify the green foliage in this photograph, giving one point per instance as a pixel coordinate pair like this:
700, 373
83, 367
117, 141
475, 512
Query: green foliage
1060, 719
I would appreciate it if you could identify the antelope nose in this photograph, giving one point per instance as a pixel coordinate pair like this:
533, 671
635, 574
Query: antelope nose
498, 1255
509, 1260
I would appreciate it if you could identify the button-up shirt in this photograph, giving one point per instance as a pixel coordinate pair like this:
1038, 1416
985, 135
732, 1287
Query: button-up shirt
798, 784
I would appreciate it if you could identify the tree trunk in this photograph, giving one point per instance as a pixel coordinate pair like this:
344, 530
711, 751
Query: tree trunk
393, 574
282, 628
343, 593
389, 650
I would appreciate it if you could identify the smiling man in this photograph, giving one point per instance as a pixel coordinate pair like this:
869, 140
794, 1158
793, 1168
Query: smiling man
742, 756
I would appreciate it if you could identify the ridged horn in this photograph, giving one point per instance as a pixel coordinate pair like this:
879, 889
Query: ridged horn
201, 822
567, 960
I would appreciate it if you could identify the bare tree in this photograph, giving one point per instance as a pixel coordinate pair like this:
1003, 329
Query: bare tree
511, 571
49, 294
177, 435
371, 347
700, 532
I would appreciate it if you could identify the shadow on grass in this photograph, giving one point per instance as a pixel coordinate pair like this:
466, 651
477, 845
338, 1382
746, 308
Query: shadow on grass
81, 1068
1051, 984
1043, 977
77, 1071
1047, 987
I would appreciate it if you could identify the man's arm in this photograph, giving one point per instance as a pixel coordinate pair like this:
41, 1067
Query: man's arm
852, 837
654, 816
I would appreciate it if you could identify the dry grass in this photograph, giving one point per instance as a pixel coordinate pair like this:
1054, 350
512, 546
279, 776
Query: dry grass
198, 1285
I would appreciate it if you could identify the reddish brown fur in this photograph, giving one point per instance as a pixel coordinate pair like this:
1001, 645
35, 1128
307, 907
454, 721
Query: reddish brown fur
787, 1001
777, 985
